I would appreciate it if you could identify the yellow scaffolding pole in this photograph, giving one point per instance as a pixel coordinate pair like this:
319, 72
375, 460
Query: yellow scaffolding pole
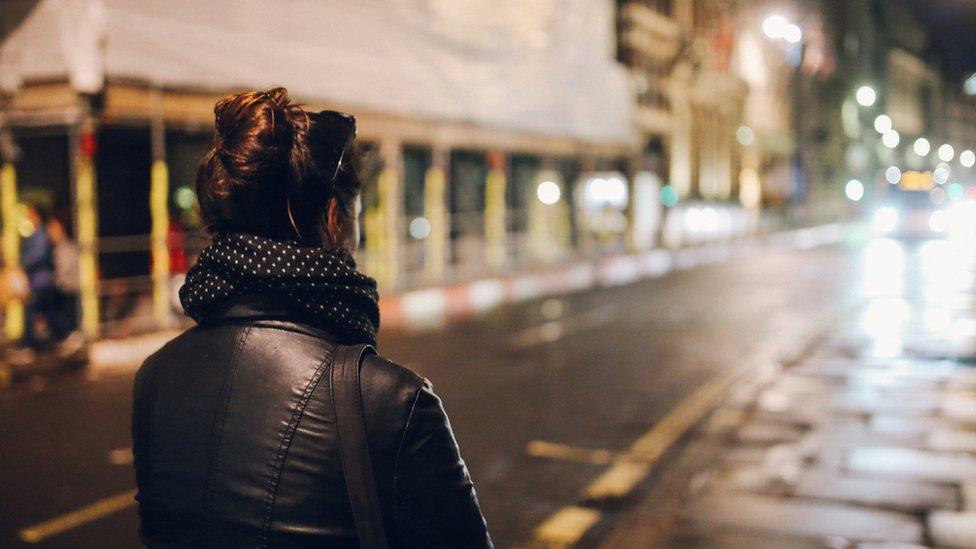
159, 234
495, 214
14, 308
159, 213
372, 227
435, 210
383, 220
87, 219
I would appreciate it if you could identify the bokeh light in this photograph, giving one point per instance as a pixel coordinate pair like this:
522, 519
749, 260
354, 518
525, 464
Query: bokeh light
854, 190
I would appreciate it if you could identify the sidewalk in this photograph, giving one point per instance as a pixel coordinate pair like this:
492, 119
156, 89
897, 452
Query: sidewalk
868, 440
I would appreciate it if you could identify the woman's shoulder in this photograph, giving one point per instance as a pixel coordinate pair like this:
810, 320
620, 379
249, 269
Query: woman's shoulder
379, 372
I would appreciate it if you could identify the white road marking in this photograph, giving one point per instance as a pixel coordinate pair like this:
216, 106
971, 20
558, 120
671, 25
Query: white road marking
89, 513
554, 330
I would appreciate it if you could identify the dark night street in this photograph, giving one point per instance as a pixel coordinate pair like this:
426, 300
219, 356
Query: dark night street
683, 273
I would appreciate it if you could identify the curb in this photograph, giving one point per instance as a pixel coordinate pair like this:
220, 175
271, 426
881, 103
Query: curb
434, 307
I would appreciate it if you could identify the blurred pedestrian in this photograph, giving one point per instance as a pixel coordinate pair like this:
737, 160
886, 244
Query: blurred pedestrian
44, 302
272, 422
65, 256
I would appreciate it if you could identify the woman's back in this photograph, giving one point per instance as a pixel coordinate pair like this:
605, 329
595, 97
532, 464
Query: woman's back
234, 435
235, 442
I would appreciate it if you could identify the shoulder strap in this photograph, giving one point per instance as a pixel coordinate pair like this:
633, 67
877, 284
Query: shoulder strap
347, 404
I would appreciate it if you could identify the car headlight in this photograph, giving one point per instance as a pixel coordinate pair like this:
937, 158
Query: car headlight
885, 219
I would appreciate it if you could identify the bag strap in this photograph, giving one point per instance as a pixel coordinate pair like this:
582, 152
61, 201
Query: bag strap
347, 405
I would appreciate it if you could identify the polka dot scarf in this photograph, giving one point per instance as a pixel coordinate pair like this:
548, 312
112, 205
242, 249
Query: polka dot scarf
320, 285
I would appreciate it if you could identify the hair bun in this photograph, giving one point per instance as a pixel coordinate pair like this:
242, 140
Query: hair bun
265, 118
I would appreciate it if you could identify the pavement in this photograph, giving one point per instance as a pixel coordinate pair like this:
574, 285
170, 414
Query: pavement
867, 439
586, 418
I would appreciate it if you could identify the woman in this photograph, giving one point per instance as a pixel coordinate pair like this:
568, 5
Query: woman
234, 434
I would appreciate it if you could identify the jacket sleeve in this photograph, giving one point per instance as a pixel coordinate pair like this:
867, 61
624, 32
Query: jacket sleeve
436, 502
140, 428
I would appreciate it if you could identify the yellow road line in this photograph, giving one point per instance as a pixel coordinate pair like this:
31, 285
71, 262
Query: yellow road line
617, 481
634, 465
565, 452
76, 518
566, 526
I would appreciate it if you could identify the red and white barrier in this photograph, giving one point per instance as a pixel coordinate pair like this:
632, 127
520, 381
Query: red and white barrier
431, 307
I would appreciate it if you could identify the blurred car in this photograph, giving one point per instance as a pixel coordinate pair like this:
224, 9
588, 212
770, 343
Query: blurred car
910, 214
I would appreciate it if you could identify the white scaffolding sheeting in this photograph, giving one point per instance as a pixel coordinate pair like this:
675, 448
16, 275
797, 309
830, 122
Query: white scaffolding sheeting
544, 66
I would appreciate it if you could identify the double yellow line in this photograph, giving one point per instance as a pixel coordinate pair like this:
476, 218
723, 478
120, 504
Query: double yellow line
567, 526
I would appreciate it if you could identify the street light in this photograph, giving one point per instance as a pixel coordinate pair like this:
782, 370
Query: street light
866, 96
793, 34
967, 158
882, 123
969, 86
890, 139
854, 190
745, 136
946, 152
548, 192
922, 146
893, 175
775, 26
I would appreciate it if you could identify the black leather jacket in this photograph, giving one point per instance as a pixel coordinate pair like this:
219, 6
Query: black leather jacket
235, 443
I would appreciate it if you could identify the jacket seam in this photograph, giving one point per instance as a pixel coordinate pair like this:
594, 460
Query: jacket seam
219, 421
284, 446
403, 439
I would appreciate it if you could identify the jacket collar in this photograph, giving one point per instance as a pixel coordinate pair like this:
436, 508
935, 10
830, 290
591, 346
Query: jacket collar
266, 308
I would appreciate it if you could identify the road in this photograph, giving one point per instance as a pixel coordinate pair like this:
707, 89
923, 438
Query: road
593, 370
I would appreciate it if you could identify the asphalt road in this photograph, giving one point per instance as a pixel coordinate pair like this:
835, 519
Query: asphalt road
593, 370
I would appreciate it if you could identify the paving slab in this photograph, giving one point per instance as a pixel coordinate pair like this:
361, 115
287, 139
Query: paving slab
912, 430
746, 454
907, 463
952, 440
962, 380
953, 529
889, 545
871, 403
747, 478
828, 367
873, 492
723, 538
960, 407
969, 495
801, 385
768, 432
839, 436
805, 518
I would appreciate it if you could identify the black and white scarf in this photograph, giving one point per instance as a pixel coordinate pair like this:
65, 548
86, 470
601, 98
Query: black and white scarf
317, 284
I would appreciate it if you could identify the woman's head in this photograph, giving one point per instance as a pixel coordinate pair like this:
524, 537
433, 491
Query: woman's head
277, 171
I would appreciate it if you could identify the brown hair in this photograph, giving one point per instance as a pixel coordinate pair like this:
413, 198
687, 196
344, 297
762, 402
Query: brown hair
261, 175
